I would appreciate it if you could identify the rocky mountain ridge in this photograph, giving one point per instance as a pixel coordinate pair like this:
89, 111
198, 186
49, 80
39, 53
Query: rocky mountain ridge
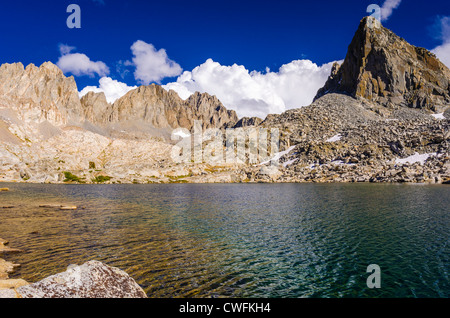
46, 130
382, 116
44, 93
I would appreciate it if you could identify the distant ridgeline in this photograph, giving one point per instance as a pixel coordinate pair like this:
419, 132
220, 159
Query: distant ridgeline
44, 93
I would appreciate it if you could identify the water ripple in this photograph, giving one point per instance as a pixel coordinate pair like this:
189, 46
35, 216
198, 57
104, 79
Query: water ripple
287, 240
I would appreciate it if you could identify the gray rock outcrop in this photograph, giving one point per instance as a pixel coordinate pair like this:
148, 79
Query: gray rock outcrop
91, 280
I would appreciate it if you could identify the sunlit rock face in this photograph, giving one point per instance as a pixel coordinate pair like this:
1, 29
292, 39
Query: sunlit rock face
165, 109
382, 67
40, 94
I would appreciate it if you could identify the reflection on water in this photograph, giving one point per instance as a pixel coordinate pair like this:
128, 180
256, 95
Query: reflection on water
239, 240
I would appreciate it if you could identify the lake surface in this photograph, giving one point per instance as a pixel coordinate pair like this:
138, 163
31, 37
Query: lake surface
239, 240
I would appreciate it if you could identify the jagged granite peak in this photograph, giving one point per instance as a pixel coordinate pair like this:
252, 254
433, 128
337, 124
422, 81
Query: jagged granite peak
165, 109
40, 93
248, 122
95, 107
382, 67
211, 111
148, 104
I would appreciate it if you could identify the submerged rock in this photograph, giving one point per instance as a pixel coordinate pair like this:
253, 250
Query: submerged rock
91, 280
70, 207
7, 250
55, 206
12, 283
6, 268
59, 206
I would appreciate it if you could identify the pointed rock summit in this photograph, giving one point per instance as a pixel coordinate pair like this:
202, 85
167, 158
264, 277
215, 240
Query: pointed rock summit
165, 109
210, 110
384, 68
95, 107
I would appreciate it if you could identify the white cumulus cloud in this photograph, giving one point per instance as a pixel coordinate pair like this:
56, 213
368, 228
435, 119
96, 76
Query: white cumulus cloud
113, 89
255, 93
388, 7
152, 65
79, 64
443, 51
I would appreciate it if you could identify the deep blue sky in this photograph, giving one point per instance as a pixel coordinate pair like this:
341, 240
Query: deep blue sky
256, 34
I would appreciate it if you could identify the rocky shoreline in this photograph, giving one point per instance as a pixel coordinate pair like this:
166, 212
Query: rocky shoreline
6, 268
90, 280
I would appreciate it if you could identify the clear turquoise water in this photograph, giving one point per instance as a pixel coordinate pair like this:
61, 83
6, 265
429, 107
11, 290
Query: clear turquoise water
240, 240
